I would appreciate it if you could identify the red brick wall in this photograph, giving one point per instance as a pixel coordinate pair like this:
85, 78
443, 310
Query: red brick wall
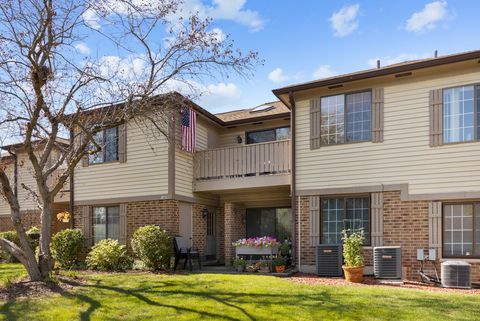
163, 213
234, 218
28, 220
405, 224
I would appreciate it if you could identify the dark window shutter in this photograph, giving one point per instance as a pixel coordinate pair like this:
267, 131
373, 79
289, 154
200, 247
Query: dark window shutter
435, 225
122, 143
314, 220
377, 218
436, 117
122, 238
87, 225
377, 115
315, 123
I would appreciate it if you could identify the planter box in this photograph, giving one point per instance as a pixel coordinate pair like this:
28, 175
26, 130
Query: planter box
248, 250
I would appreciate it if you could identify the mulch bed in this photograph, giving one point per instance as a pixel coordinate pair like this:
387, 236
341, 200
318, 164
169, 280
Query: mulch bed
25, 288
310, 279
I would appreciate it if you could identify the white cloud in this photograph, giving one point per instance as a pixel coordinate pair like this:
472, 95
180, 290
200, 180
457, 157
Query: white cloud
82, 48
276, 76
390, 60
91, 18
233, 10
345, 21
217, 96
432, 14
324, 71
218, 34
128, 68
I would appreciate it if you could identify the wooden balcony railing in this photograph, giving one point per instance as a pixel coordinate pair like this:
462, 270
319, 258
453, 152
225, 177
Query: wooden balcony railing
270, 158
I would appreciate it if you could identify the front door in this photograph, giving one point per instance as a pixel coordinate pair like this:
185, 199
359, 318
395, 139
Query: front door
185, 222
211, 248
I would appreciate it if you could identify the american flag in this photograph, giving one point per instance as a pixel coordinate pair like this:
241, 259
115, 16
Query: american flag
189, 127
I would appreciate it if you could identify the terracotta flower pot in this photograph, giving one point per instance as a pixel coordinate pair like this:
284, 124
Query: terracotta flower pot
280, 268
353, 274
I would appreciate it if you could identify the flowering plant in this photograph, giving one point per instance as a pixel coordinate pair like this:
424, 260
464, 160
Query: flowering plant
63, 216
259, 242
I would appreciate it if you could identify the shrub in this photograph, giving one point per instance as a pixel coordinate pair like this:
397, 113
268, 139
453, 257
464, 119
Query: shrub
153, 246
66, 246
34, 235
12, 237
352, 248
109, 255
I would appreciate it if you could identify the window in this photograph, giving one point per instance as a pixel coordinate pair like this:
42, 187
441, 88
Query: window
461, 230
106, 223
275, 222
108, 141
459, 114
268, 135
346, 118
351, 213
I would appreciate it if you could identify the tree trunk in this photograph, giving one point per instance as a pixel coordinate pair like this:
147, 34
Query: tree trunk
45, 257
27, 255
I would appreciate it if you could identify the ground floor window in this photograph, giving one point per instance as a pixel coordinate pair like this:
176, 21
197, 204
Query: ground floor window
461, 230
275, 222
338, 213
106, 223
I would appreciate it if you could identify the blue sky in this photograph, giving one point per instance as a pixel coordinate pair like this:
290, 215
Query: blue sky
306, 40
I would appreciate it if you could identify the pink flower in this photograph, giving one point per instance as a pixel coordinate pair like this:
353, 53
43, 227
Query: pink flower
258, 242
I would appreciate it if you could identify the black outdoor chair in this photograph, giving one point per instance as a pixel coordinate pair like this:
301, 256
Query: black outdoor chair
183, 251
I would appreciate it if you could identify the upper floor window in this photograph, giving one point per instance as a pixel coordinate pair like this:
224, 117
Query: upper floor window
346, 118
460, 114
106, 223
108, 141
268, 135
461, 230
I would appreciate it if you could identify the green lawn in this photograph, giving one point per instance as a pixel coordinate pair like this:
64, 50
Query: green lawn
146, 296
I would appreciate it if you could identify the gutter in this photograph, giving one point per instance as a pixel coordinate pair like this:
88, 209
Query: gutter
385, 71
293, 180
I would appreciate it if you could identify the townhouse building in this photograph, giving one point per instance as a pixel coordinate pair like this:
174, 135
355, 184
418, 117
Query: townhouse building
392, 150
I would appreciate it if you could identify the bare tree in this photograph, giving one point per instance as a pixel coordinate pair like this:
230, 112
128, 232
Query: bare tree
49, 90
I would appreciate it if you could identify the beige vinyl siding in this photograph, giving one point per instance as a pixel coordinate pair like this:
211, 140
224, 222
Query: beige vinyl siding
184, 161
26, 177
405, 156
4, 207
228, 136
183, 173
202, 134
144, 174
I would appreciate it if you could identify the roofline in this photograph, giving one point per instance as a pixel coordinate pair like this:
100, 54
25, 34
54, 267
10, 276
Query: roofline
256, 119
22, 144
209, 115
379, 72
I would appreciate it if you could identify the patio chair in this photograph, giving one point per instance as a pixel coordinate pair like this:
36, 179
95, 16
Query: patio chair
183, 251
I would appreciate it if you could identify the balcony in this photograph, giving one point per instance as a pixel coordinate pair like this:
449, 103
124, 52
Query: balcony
245, 166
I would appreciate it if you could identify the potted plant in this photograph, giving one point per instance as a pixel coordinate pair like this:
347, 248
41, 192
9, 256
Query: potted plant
284, 249
252, 268
352, 254
263, 267
240, 264
279, 263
